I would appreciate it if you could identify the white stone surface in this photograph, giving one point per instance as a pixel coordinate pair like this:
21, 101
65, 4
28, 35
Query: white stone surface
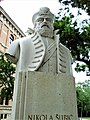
45, 96
41, 51
48, 93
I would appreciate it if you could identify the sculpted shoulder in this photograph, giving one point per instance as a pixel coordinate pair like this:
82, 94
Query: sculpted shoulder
13, 50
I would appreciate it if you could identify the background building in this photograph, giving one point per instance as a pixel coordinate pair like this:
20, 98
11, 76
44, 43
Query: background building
9, 31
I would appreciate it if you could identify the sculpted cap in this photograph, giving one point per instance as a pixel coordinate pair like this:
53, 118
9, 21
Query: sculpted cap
43, 11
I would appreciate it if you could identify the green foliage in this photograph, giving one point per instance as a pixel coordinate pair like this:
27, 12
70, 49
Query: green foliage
7, 71
83, 97
86, 118
75, 37
84, 4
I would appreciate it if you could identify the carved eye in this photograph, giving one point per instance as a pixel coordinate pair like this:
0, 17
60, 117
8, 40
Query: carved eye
48, 19
44, 19
40, 20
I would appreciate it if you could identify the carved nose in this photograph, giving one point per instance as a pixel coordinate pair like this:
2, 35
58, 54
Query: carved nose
45, 20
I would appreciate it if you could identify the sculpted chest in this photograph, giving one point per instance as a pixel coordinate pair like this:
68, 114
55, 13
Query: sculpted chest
45, 55
35, 53
49, 62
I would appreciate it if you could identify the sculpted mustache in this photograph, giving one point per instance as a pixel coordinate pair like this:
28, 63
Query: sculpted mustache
45, 25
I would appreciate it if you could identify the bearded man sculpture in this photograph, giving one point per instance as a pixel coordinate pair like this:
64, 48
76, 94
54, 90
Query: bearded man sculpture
51, 61
41, 51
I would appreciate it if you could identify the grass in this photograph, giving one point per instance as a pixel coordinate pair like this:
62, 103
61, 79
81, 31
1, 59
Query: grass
86, 118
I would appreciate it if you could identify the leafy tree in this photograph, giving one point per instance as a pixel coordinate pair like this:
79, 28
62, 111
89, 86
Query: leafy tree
74, 36
7, 71
84, 4
83, 98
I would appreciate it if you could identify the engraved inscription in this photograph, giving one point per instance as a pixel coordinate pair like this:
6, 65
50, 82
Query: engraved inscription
50, 117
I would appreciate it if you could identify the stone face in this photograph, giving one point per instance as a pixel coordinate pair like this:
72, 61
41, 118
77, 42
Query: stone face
45, 96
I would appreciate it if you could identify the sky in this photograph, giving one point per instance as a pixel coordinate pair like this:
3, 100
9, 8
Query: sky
21, 11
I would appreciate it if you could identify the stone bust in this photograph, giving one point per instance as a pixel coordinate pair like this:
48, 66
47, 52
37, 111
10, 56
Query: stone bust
42, 50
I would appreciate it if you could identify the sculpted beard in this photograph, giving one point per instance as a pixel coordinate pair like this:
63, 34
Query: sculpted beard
44, 30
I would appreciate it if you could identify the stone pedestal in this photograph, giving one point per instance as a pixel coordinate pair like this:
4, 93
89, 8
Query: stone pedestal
45, 96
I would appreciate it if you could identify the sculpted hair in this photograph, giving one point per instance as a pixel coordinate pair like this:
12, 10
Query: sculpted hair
43, 11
